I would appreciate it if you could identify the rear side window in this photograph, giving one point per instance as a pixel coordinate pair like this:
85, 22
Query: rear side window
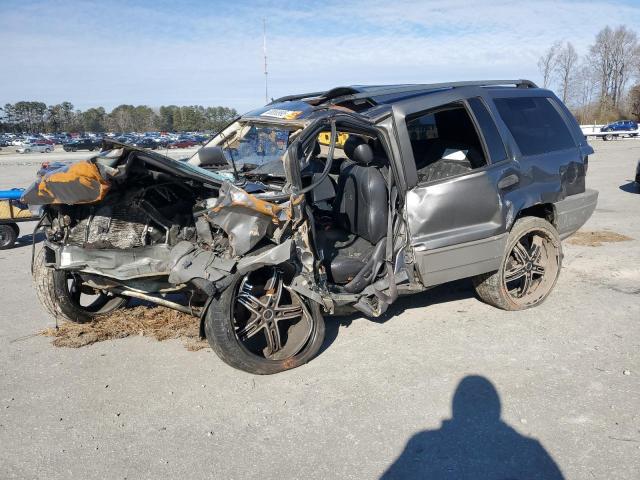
535, 124
489, 130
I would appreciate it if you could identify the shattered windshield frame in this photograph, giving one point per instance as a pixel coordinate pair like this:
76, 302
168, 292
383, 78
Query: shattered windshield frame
248, 143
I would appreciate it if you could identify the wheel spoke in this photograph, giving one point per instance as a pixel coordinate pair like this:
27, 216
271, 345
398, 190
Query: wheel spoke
526, 284
273, 338
520, 253
252, 327
515, 273
537, 269
251, 303
536, 249
273, 299
288, 312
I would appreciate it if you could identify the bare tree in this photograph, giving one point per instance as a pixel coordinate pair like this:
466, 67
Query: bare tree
547, 63
634, 102
586, 85
567, 61
614, 55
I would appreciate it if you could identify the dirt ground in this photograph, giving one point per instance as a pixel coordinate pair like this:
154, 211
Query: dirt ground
441, 383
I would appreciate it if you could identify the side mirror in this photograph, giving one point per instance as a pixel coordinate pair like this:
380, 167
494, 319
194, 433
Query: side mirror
212, 156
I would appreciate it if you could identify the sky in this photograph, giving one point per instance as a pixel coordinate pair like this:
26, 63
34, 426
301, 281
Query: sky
105, 53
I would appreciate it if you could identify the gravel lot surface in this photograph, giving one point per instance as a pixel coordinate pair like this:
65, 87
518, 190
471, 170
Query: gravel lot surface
379, 396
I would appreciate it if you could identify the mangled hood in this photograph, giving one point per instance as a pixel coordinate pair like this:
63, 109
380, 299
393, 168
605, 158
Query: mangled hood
88, 181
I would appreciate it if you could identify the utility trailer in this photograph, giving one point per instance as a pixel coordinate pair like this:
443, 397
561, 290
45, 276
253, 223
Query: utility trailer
12, 212
594, 131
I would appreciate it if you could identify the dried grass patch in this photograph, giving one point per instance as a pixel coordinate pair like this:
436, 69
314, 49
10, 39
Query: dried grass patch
157, 322
596, 238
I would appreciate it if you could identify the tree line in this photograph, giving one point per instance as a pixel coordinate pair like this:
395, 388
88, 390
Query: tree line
38, 117
601, 85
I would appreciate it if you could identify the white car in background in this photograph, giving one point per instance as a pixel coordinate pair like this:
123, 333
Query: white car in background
35, 147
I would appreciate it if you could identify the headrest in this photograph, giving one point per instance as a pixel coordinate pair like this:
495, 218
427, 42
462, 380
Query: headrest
357, 150
211, 156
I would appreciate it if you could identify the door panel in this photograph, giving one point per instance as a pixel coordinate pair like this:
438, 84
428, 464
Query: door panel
461, 209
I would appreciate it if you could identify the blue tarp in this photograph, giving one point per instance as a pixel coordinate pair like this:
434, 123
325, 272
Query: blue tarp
13, 194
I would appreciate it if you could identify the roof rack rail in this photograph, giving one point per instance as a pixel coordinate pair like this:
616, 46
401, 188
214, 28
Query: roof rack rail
389, 90
299, 96
418, 87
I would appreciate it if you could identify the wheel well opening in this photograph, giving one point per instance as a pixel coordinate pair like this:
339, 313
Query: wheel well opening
543, 210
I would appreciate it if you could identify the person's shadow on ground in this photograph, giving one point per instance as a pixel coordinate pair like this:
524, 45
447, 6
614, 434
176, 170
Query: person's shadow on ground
474, 444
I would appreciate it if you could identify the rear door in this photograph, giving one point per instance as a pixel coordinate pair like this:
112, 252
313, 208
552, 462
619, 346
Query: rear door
457, 220
549, 145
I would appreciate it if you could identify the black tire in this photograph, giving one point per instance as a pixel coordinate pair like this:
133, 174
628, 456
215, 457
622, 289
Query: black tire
223, 325
55, 295
91, 149
8, 235
16, 228
529, 269
607, 137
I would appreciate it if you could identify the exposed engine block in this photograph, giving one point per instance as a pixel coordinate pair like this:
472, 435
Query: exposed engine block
119, 226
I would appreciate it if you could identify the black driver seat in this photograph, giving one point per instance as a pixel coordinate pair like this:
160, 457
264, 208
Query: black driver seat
360, 212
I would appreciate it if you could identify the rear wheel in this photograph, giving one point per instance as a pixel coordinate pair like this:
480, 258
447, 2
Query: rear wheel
65, 296
529, 269
8, 235
608, 137
261, 326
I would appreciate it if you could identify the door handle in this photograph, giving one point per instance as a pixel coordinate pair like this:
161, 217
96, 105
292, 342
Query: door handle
508, 181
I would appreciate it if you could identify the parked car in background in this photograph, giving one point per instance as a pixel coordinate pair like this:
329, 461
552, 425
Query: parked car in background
183, 144
82, 144
146, 142
35, 147
201, 139
614, 129
164, 142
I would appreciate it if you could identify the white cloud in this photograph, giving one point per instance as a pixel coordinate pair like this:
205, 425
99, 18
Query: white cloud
92, 53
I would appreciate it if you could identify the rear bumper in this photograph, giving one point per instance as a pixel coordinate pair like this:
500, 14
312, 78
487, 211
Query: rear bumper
572, 212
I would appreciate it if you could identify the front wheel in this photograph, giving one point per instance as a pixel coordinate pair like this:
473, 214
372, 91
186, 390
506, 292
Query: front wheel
261, 326
65, 296
529, 269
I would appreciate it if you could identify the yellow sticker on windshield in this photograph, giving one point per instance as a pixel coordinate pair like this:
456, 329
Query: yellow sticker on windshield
283, 114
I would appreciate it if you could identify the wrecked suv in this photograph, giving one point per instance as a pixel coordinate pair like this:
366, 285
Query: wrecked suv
321, 203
